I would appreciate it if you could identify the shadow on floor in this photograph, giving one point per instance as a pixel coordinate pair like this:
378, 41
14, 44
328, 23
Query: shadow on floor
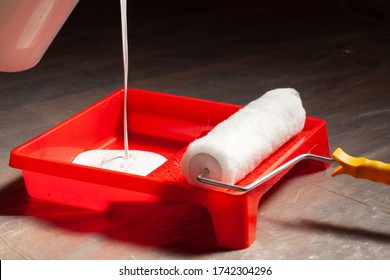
182, 228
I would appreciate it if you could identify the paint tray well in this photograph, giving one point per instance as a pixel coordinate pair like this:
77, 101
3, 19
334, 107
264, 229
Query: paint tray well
164, 124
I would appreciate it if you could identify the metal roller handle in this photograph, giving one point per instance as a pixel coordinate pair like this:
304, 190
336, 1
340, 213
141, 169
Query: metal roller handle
361, 168
201, 177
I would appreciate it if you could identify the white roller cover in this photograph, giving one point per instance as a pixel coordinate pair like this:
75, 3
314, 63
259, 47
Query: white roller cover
240, 143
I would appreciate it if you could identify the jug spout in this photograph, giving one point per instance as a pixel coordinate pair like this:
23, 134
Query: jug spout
27, 28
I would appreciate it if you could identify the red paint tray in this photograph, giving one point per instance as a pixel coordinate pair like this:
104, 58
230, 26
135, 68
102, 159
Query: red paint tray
160, 123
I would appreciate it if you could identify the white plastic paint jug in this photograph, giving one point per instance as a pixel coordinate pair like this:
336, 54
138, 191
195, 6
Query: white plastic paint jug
27, 28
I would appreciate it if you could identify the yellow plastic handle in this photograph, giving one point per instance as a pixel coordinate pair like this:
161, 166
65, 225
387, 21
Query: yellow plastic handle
361, 167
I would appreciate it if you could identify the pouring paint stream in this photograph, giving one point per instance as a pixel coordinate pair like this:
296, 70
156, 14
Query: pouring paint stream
129, 161
125, 75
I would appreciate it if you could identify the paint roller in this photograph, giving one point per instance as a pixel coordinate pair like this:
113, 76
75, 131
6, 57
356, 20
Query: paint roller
236, 146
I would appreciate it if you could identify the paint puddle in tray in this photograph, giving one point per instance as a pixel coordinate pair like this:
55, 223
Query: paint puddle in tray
138, 162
